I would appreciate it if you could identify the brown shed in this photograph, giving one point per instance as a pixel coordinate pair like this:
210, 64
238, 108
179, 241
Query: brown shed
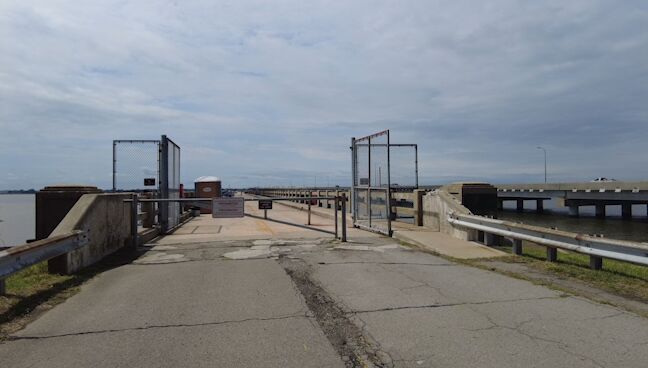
207, 187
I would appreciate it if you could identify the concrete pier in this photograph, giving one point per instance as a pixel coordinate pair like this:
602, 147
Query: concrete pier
520, 205
626, 210
600, 210
540, 205
573, 211
249, 292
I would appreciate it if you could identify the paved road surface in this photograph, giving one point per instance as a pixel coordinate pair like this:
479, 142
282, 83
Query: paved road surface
250, 293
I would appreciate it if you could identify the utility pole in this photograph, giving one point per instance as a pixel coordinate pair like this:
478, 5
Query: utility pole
545, 162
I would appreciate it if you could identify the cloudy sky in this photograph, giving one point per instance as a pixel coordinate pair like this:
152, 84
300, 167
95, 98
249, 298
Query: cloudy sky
270, 92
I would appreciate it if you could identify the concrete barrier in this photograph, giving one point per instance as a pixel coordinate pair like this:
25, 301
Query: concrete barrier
105, 218
437, 205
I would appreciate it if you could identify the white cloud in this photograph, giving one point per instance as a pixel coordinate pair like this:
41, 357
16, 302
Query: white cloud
477, 85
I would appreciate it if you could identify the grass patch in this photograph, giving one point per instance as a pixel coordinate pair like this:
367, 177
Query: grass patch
622, 278
31, 279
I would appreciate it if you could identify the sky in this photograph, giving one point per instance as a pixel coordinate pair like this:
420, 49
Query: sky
269, 93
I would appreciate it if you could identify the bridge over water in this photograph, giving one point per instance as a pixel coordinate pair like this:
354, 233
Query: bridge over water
575, 195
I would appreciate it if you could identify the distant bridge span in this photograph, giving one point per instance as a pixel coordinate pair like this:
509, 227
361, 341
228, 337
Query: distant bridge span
575, 195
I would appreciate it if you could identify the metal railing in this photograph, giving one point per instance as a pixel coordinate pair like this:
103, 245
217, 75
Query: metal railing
595, 247
20, 257
134, 204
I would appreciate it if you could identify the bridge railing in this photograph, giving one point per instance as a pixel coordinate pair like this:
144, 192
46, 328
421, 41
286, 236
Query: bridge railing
596, 248
20, 257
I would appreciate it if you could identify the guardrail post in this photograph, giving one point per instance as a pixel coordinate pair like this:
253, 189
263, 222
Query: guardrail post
134, 221
490, 239
596, 263
552, 254
344, 227
517, 247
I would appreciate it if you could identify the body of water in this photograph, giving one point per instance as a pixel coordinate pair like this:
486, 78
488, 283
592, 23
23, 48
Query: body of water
17, 218
613, 226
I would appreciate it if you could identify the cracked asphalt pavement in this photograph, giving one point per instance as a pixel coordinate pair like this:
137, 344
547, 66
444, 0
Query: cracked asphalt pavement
312, 302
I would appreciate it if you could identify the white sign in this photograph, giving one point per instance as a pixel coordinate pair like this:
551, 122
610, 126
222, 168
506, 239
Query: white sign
228, 207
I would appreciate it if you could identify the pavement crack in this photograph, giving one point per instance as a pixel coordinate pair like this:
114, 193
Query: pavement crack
152, 327
387, 309
385, 263
349, 340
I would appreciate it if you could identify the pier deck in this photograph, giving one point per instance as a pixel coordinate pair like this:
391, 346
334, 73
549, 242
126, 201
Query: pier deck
252, 292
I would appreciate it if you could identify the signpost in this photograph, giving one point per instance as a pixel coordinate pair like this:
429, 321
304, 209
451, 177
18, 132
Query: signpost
265, 205
228, 207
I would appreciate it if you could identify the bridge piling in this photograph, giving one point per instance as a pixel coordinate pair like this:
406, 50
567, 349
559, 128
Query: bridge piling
626, 210
540, 205
573, 210
600, 210
520, 205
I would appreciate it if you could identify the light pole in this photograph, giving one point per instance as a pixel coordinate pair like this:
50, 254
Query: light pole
545, 161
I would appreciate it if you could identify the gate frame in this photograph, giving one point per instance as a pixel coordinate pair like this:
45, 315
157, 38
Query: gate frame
164, 181
132, 141
368, 187
163, 174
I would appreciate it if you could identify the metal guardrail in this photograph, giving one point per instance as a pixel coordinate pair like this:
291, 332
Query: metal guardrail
597, 248
20, 257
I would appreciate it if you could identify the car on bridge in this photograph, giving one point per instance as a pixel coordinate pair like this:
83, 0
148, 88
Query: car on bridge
602, 180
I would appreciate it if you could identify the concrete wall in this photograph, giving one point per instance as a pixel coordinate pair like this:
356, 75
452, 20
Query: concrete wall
105, 218
437, 205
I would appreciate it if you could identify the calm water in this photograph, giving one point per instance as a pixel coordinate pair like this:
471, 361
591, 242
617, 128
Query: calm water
611, 227
17, 218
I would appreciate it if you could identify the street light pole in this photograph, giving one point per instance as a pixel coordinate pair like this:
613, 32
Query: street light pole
545, 162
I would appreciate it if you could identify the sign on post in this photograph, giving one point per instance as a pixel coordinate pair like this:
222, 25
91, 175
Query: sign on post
265, 204
228, 207
149, 182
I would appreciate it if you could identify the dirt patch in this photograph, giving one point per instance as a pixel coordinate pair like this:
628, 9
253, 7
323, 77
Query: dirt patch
345, 336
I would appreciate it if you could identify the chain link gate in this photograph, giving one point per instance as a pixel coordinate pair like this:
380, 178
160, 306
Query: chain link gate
170, 183
371, 183
150, 166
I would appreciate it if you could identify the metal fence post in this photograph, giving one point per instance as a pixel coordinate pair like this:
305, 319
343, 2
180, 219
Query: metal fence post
335, 202
133, 219
114, 172
309, 210
164, 185
344, 229
354, 179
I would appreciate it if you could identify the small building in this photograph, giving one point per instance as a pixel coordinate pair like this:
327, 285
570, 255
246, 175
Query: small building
207, 187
